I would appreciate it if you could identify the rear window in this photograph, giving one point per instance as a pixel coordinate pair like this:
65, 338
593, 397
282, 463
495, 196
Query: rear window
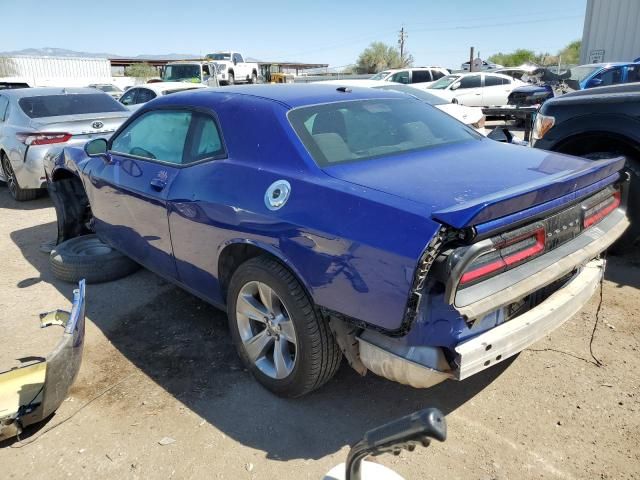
69, 104
344, 132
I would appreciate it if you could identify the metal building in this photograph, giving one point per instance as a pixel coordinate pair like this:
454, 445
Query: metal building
611, 31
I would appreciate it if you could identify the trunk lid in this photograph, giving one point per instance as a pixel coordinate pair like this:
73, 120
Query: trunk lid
84, 125
469, 183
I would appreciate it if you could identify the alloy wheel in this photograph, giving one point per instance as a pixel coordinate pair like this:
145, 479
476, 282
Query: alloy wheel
10, 177
266, 329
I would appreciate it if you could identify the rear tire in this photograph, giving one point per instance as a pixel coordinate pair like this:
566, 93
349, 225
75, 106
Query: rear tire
19, 194
266, 304
631, 237
87, 257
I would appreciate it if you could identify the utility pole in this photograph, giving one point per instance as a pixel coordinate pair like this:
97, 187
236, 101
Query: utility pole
471, 59
401, 39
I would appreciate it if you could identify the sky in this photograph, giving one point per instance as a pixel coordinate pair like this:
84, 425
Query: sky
334, 32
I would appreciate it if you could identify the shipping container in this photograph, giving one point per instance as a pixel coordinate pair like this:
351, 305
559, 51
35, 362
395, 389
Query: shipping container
54, 71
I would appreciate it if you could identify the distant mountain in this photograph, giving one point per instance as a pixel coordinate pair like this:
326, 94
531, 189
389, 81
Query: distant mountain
63, 52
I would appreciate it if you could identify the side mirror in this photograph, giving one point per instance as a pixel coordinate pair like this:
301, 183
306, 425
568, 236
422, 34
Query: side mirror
595, 82
235, 62
455, 86
96, 147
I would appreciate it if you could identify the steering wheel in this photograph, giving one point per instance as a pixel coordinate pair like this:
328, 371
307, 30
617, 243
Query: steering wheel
141, 152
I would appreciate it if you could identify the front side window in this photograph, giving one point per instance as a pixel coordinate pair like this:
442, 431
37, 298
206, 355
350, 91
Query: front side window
470, 81
157, 135
610, 77
400, 77
129, 97
437, 74
360, 130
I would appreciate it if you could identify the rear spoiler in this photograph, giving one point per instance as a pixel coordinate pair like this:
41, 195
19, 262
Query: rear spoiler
506, 202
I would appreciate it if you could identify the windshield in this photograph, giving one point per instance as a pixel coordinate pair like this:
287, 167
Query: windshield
69, 104
420, 94
341, 132
219, 56
444, 82
380, 76
580, 73
177, 73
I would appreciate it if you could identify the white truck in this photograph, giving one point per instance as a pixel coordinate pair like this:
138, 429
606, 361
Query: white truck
233, 69
194, 71
35, 71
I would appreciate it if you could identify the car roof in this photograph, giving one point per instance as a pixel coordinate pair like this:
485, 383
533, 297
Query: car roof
608, 64
300, 95
160, 87
46, 91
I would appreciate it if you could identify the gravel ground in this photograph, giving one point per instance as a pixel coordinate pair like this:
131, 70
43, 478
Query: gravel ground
159, 364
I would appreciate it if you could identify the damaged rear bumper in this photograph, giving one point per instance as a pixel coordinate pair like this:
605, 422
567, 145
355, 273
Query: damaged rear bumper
30, 393
472, 356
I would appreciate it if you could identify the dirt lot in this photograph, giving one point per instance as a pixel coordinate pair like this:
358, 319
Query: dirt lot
158, 363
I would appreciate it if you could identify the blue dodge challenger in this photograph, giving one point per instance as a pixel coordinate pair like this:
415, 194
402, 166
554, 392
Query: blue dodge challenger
333, 222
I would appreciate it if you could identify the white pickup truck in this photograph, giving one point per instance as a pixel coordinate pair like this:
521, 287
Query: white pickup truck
233, 69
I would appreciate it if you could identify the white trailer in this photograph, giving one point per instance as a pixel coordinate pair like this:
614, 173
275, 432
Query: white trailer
54, 71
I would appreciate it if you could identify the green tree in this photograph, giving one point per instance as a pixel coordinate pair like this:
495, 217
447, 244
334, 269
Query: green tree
571, 53
141, 70
379, 56
518, 57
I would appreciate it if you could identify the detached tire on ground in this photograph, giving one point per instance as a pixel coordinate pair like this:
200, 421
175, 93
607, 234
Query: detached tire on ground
87, 257
278, 333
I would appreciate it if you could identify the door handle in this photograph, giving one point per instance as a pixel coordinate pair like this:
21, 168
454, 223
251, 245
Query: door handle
158, 184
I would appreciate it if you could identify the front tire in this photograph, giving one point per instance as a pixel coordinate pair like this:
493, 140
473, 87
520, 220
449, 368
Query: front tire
279, 335
19, 194
254, 78
232, 79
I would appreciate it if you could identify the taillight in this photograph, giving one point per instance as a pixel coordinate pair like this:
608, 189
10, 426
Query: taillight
511, 253
596, 213
43, 138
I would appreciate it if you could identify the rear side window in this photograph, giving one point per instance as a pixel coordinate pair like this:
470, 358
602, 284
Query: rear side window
69, 104
157, 135
633, 73
420, 76
470, 81
359, 130
207, 142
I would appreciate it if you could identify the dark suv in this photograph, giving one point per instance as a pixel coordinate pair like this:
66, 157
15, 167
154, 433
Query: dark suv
597, 123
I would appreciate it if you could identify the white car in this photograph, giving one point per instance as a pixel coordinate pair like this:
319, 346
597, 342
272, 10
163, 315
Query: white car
421, 75
475, 89
136, 96
471, 116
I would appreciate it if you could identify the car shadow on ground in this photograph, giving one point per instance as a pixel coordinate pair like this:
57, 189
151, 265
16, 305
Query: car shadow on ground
623, 269
183, 345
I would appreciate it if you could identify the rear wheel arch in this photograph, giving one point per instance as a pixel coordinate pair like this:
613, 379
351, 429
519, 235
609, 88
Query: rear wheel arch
234, 254
598, 141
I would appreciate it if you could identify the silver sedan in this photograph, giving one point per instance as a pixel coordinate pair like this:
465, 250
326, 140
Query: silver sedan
36, 122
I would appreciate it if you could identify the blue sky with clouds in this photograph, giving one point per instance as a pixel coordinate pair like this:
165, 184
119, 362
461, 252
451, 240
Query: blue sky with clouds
334, 32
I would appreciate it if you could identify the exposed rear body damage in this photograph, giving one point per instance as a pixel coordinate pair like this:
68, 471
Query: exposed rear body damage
416, 243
